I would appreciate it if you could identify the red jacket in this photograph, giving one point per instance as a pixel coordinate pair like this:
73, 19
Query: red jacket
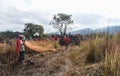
18, 46
67, 40
56, 38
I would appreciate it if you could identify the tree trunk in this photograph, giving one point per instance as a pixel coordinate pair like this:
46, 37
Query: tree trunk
65, 29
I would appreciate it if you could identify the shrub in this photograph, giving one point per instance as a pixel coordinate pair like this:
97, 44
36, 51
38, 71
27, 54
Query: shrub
96, 51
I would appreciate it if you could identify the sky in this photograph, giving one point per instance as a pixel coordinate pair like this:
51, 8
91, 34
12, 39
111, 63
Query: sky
85, 13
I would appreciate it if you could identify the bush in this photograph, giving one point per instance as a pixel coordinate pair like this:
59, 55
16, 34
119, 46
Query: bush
96, 51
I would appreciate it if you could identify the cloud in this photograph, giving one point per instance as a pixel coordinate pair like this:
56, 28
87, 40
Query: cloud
15, 13
11, 18
15, 16
11, 27
113, 21
88, 19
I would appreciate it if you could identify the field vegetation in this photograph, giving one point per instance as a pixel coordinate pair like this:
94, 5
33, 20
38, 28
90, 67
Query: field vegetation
98, 55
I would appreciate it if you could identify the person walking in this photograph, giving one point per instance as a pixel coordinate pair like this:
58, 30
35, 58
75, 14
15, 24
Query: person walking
66, 41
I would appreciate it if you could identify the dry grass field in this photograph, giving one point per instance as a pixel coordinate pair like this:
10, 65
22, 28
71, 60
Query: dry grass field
95, 57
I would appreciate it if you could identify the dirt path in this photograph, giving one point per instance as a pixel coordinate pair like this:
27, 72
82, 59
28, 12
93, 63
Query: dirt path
38, 48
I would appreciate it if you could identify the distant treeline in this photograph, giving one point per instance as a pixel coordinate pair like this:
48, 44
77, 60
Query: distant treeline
9, 34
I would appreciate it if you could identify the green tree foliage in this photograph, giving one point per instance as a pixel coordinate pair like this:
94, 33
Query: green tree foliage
8, 34
30, 29
61, 22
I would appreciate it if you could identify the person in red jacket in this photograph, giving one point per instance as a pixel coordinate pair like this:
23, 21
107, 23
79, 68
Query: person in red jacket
66, 41
19, 44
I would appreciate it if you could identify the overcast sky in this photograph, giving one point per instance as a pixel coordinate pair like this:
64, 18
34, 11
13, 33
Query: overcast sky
85, 13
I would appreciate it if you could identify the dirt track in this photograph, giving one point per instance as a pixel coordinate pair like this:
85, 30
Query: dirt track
38, 48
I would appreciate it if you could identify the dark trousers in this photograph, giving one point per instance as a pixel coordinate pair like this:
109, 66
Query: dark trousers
22, 56
66, 46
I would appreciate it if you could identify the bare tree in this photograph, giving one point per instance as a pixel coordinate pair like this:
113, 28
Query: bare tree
61, 22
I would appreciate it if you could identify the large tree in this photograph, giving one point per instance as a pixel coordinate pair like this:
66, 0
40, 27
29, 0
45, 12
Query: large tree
30, 29
61, 22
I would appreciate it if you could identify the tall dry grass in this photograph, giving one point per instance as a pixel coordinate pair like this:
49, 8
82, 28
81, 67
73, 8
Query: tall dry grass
100, 49
112, 59
7, 53
106, 50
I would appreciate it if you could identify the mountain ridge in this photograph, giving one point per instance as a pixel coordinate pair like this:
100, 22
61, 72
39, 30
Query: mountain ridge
109, 29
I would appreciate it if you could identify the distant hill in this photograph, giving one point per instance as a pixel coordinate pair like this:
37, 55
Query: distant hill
83, 31
54, 32
109, 29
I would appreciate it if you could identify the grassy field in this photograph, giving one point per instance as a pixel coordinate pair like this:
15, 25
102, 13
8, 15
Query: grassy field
98, 56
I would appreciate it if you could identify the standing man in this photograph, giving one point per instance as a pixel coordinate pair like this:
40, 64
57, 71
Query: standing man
66, 41
20, 49
23, 49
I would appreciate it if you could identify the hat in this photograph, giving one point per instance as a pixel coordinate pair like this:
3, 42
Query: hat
21, 36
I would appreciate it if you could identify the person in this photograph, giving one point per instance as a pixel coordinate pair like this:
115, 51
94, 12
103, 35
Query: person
66, 42
23, 49
20, 49
10, 42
